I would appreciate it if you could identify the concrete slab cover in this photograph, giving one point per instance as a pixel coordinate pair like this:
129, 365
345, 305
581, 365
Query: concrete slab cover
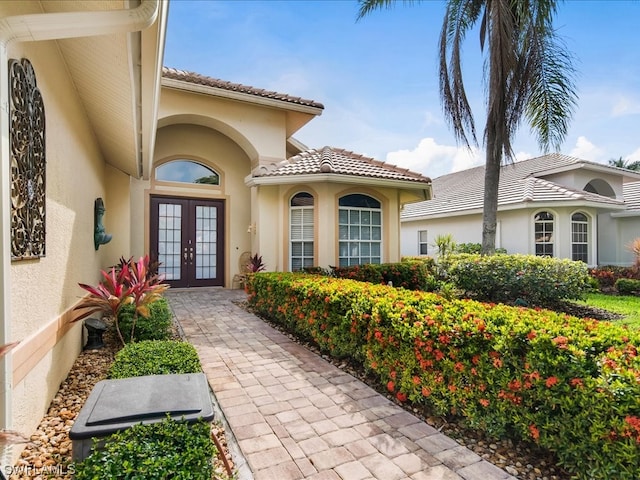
117, 404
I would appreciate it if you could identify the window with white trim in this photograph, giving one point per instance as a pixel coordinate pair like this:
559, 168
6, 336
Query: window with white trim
359, 230
423, 246
544, 239
301, 231
580, 237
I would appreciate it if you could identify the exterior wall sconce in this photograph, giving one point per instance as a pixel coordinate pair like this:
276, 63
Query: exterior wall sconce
100, 237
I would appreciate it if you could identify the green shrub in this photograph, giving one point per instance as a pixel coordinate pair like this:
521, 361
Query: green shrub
474, 248
155, 327
155, 357
627, 286
567, 384
507, 278
168, 449
410, 274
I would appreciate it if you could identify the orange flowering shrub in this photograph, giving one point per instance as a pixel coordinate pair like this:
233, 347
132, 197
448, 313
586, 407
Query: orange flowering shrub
570, 385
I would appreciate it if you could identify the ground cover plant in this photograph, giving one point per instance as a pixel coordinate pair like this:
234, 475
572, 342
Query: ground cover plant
155, 357
569, 385
168, 449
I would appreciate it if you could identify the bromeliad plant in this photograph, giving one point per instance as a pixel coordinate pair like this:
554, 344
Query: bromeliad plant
130, 282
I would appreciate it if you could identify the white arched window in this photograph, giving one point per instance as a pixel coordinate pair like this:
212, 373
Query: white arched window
544, 238
359, 230
580, 237
301, 231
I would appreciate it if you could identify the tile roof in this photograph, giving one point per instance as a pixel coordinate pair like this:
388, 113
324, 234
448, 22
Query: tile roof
329, 160
519, 182
198, 79
631, 193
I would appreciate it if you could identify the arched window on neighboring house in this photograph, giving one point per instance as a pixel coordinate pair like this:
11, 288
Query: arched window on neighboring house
359, 230
187, 171
544, 238
301, 231
580, 237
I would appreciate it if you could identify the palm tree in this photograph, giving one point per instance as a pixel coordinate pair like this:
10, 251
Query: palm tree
622, 163
528, 73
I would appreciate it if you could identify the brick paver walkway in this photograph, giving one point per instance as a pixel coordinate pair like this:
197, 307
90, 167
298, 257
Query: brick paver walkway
295, 415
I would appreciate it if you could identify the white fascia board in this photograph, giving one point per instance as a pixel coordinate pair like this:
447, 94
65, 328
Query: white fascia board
251, 181
238, 96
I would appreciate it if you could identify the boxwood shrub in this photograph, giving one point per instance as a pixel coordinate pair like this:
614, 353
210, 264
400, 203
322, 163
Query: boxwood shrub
168, 449
155, 357
567, 384
506, 278
157, 326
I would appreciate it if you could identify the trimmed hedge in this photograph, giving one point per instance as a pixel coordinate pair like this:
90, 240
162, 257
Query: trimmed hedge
168, 449
567, 384
506, 278
155, 327
155, 357
411, 274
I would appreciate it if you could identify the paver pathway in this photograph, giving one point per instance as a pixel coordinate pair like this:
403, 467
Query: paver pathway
295, 415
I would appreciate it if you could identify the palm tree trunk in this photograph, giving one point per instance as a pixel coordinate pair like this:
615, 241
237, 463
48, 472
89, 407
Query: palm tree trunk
490, 208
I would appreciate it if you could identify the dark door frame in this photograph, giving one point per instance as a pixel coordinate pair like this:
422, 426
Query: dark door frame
188, 225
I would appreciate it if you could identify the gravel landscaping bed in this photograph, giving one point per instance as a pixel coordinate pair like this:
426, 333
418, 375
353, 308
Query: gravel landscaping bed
47, 454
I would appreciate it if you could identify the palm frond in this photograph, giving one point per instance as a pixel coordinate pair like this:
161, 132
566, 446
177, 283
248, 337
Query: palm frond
368, 6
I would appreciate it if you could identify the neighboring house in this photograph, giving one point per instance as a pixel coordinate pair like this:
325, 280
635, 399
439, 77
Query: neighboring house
550, 205
194, 170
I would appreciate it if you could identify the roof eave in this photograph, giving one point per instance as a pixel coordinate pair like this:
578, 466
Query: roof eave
628, 175
251, 181
239, 96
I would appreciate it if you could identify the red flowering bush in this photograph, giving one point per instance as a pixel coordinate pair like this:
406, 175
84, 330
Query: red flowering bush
608, 275
570, 385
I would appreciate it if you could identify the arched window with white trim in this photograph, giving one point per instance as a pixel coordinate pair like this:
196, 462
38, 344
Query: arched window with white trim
301, 231
359, 230
580, 237
544, 233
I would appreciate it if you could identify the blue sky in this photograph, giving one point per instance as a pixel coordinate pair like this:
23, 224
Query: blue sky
377, 77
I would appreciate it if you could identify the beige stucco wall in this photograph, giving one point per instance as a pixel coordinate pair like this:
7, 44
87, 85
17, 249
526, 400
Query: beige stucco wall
219, 152
43, 289
259, 131
271, 214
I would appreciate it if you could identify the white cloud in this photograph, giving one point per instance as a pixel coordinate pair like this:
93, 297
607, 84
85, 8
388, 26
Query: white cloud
586, 150
634, 156
432, 159
625, 105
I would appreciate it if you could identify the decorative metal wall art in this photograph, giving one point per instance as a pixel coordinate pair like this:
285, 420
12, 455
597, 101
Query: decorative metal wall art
28, 162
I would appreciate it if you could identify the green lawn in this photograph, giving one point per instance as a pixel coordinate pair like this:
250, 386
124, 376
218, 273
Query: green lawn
629, 306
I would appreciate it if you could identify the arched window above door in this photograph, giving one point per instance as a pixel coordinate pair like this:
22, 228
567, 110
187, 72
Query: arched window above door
187, 171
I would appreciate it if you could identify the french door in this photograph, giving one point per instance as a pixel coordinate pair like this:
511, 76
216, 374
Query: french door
187, 238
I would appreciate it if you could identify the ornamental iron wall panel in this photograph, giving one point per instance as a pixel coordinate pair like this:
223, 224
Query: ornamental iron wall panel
28, 162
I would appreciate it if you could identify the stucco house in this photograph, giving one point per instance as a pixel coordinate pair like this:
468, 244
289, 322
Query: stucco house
194, 170
553, 205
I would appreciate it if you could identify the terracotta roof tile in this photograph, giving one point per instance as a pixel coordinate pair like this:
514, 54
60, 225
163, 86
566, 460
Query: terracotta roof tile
198, 79
330, 160
519, 182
